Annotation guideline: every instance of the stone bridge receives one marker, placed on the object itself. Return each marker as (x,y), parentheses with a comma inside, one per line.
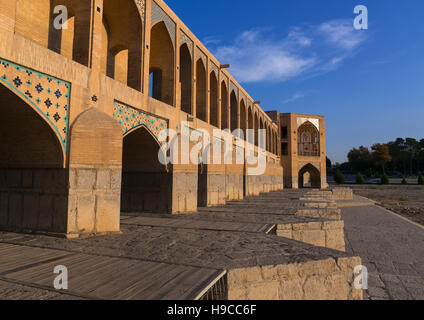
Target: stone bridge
(82,108)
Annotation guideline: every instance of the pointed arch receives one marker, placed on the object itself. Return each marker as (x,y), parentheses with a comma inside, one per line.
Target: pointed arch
(250,126)
(186,78)
(162,63)
(27,138)
(224,106)
(146,183)
(262,134)
(309,175)
(256,129)
(308,140)
(243,118)
(213,99)
(122,45)
(201,107)
(234,111)
(32,86)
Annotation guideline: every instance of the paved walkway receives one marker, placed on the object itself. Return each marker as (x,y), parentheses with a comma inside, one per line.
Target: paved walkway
(391,248)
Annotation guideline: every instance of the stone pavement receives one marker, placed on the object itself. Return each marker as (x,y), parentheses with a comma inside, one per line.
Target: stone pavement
(159,256)
(391,248)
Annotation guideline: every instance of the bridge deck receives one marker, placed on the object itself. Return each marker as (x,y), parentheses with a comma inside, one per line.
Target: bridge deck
(157,256)
(101,277)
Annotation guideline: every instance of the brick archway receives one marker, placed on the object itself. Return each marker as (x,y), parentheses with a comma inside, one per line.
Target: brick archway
(309,176)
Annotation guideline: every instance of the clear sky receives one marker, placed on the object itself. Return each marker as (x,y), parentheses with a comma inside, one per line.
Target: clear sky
(304,56)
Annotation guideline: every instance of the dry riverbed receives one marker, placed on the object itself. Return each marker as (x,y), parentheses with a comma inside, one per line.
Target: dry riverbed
(407,201)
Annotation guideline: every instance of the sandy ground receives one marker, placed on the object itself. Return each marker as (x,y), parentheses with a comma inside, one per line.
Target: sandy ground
(407,201)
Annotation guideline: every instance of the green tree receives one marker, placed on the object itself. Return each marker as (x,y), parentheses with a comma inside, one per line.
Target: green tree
(381,155)
(368,173)
(404,181)
(385,179)
(420,179)
(338,176)
(328,162)
(359,178)
(413,148)
(360,159)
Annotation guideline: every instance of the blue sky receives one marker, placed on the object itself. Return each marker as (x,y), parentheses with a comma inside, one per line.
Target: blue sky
(304,56)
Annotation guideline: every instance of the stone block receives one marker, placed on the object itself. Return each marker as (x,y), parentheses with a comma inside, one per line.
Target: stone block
(86,179)
(85,214)
(107,213)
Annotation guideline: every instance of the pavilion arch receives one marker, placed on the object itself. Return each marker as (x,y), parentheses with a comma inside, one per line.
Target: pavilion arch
(250,125)
(224,106)
(234,112)
(161,65)
(146,183)
(72,42)
(243,119)
(308,140)
(309,176)
(122,42)
(201,107)
(213,99)
(32,168)
(186,76)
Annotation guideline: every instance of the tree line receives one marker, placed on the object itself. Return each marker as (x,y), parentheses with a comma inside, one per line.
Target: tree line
(402,157)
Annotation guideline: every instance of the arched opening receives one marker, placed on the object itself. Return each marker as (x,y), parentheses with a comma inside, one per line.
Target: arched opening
(243,119)
(213,99)
(262,135)
(268,139)
(71,40)
(146,183)
(275,142)
(122,43)
(185,78)
(155,84)
(32,178)
(250,126)
(256,130)
(224,106)
(162,58)
(234,111)
(308,140)
(309,177)
(201,109)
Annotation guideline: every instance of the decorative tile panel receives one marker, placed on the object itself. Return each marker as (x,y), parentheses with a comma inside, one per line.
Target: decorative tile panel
(234,88)
(159,15)
(130,119)
(214,68)
(201,55)
(225,79)
(141,5)
(184,39)
(48,95)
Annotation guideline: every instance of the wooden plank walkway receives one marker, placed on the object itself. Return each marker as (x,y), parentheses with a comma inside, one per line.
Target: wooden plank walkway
(101,277)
